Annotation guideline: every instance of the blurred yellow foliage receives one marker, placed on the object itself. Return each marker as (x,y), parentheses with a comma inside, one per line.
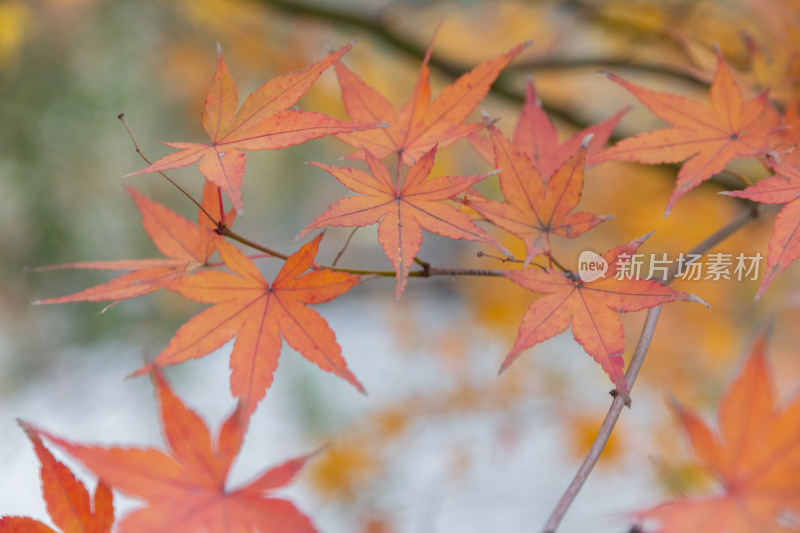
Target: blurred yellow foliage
(581,432)
(344,470)
(15,20)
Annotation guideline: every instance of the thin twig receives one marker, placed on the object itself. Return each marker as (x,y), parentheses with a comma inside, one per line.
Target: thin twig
(748,215)
(346,242)
(427,269)
(121,116)
(376,26)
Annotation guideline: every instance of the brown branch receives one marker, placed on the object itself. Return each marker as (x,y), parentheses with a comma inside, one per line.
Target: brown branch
(375,25)
(604,63)
(748,215)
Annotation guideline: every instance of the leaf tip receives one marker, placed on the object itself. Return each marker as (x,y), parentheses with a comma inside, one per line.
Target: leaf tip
(146,369)
(586,140)
(697,299)
(605,74)
(353,42)
(493,172)
(219,49)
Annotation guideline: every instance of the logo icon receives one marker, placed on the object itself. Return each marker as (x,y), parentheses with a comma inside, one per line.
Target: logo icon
(591,266)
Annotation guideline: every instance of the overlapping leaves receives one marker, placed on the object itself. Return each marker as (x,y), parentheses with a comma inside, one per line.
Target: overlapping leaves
(421,124)
(68,503)
(187,246)
(589,308)
(185,487)
(247,307)
(403,207)
(535,207)
(707,138)
(755,456)
(784,245)
(264,122)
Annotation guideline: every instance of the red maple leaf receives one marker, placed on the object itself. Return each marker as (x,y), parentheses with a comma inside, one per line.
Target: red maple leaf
(420,124)
(535,207)
(755,456)
(536,137)
(403,208)
(257,314)
(784,245)
(68,502)
(589,307)
(187,246)
(185,488)
(709,138)
(264,122)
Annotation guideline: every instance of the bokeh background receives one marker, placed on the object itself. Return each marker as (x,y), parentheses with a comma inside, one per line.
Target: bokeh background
(441,444)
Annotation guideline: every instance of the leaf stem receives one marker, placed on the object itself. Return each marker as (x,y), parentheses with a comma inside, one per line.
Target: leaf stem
(748,215)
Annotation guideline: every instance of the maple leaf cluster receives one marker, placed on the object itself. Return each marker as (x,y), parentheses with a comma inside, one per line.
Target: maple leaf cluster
(541,182)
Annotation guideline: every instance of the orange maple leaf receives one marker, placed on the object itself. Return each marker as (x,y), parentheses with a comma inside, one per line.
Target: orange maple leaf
(709,138)
(535,207)
(784,245)
(262,123)
(257,314)
(187,246)
(68,502)
(403,208)
(755,456)
(536,137)
(421,124)
(184,488)
(589,307)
